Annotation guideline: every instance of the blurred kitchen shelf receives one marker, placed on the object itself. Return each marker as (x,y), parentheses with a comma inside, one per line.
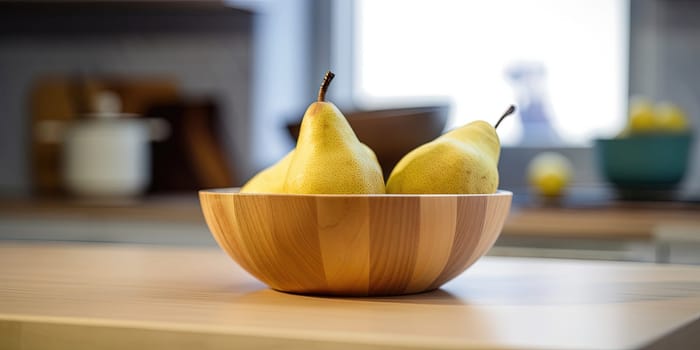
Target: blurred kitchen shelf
(175,208)
(616,231)
(170,220)
(626,221)
(632,231)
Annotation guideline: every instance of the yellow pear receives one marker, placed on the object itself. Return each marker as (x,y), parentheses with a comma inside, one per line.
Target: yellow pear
(370,153)
(271,179)
(329,159)
(462,161)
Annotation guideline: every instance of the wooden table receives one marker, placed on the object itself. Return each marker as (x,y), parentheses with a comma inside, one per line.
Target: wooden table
(80,296)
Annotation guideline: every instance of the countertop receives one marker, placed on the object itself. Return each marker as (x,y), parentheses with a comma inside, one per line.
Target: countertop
(79,296)
(607,221)
(612,220)
(616,221)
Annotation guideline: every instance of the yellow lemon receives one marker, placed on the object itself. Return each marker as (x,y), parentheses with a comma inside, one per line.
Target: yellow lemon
(642,118)
(549,173)
(670,117)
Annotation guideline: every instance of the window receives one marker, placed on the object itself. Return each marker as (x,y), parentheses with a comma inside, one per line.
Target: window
(462,50)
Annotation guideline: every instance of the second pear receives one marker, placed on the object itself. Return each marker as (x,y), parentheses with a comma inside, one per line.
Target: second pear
(462,161)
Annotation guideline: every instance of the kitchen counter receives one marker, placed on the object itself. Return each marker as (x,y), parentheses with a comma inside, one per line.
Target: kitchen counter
(613,221)
(79,296)
(628,231)
(621,221)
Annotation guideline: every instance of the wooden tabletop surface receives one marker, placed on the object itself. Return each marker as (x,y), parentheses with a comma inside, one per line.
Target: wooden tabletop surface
(79,296)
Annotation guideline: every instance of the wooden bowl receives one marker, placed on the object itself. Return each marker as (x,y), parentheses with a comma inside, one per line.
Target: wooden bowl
(354,245)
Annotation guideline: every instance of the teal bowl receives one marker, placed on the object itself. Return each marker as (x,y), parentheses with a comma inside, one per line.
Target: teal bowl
(640,163)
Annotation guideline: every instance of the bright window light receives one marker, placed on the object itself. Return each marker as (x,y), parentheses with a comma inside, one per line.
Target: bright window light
(461,50)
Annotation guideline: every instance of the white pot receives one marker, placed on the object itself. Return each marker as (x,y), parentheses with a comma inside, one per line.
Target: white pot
(107,157)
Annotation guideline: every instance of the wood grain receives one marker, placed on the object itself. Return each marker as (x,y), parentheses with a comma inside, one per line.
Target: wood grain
(95,296)
(394,227)
(354,245)
(437,215)
(465,242)
(343,229)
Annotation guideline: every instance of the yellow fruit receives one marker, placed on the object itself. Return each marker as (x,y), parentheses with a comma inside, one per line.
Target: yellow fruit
(370,153)
(464,160)
(329,159)
(549,173)
(641,117)
(670,118)
(271,179)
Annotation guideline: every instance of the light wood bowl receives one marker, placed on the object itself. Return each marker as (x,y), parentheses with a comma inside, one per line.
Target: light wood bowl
(354,245)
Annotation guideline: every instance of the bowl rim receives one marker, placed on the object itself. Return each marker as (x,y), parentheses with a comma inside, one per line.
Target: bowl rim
(234,191)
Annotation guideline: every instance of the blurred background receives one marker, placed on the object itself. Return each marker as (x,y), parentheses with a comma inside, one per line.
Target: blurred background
(114,113)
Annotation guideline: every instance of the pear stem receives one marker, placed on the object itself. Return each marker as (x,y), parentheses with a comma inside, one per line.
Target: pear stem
(508,112)
(324,86)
